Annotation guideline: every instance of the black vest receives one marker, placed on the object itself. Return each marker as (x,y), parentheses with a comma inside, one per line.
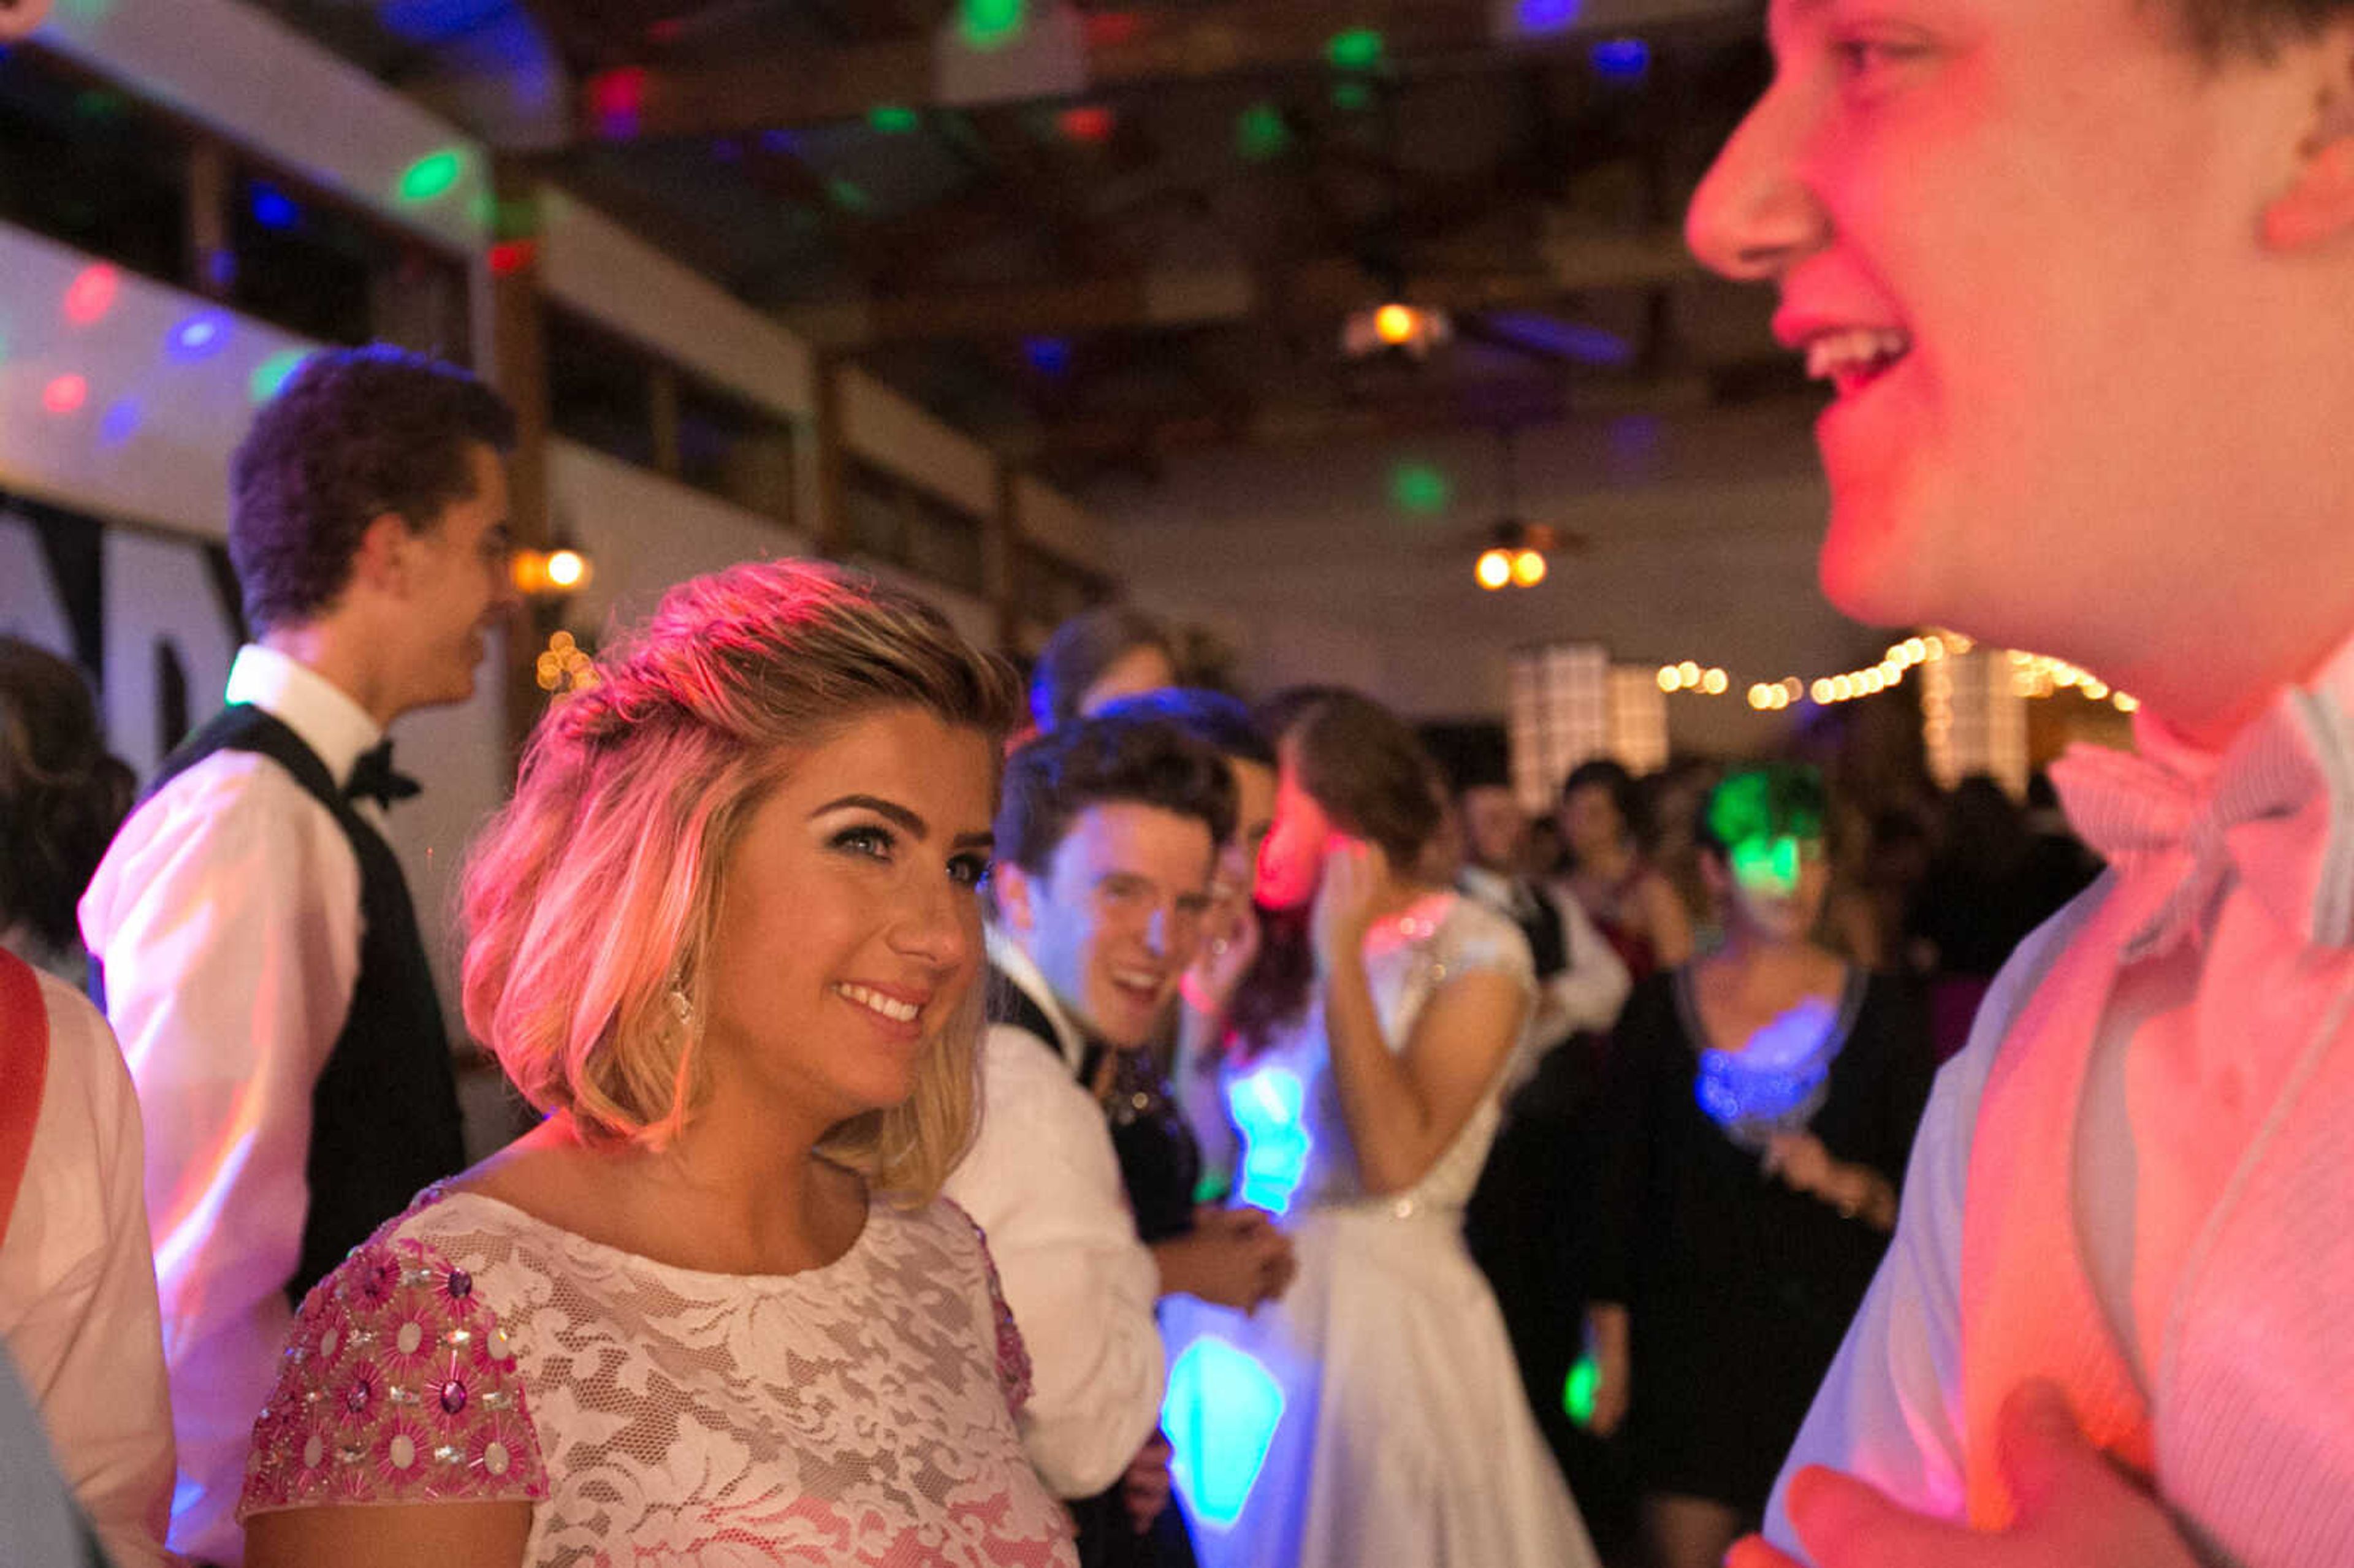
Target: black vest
(1548,937)
(383,1115)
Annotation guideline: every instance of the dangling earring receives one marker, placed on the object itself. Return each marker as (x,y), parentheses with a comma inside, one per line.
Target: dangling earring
(682,1012)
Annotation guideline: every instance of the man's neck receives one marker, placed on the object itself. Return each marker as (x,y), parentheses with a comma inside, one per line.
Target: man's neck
(333,654)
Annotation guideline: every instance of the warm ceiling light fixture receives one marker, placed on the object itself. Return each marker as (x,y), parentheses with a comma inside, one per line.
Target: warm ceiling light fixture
(1396,328)
(542,574)
(1495,568)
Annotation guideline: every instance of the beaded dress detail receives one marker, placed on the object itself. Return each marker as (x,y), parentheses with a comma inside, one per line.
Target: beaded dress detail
(860,1412)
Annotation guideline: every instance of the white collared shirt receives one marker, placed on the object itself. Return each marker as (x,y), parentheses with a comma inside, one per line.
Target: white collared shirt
(2190,1049)
(1586,995)
(227,914)
(1043,1182)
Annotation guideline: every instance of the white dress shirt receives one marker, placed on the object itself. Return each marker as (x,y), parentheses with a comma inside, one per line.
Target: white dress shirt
(227,915)
(1043,1184)
(78,1288)
(1587,994)
(2193,1048)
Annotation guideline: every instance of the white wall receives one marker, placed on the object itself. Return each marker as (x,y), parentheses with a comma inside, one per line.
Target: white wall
(1703,547)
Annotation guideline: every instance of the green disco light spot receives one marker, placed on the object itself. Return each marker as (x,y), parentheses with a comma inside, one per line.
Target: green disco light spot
(892,119)
(992,24)
(432,176)
(1353,96)
(1359,48)
(274,372)
(1577,1392)
(848,197)
(1419,488)
(1260,132)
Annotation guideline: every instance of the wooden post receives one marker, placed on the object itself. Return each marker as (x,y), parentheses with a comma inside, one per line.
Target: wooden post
(511,343)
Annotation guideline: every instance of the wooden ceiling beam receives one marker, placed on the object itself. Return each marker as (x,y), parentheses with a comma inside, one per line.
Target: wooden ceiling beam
(1168,298)
(1065,54)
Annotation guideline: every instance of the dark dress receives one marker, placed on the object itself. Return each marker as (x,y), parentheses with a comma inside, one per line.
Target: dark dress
(1738,1288)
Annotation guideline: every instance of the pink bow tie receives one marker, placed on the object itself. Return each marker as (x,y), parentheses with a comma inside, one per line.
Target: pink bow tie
(2267,813)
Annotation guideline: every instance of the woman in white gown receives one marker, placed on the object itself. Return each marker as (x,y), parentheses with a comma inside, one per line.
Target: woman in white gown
(1373,1416)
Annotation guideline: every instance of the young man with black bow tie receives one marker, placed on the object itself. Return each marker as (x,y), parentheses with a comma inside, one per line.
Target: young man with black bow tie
(251,932)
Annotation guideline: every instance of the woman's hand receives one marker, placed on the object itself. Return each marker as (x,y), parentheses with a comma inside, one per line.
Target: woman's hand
(1145,1487)
(1355,873)
(1232,1258)
(1805,1166)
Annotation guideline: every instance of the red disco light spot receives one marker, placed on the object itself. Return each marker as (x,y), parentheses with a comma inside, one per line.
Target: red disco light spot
(1110,30)
(615,98)
(509,256)
(91,293)
(65,395)
(1088,123)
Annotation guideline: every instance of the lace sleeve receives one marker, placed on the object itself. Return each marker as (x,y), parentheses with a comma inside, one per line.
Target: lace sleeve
(397,1386)
(1476,938)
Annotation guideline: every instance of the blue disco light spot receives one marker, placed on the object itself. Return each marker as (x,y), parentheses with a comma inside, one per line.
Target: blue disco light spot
(120,423)
(1220,1413)
(1048,356)
(198,337)
(1548,15)
(1267,1106)
(1623,59)
(273,209)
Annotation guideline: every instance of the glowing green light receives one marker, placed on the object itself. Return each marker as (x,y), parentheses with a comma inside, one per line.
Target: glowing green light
(1766,864)
(991,24)
(1359,48)
(1352,96)
(892,119)
(1419,488)
(1577,1392)
(98,103)
(432,175)
(274,372)
(1260,132)
(849,197)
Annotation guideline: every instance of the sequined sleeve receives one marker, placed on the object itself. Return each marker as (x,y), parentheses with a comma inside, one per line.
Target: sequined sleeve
(1012,1355)
(397,1386)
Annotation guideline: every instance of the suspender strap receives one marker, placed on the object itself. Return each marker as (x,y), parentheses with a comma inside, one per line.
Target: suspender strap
(24,1070)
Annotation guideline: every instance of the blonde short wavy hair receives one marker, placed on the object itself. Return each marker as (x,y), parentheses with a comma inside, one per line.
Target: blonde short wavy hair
(593,894)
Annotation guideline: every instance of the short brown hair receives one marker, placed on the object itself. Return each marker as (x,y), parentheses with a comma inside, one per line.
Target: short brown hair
(633,795)
(354,434)
(2221,29)
(1135,760)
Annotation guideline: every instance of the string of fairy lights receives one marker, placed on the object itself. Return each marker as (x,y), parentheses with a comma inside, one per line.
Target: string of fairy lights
(2033,676)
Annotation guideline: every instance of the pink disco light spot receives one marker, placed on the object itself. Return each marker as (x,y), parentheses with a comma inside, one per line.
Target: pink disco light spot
(91,293)
(65,395)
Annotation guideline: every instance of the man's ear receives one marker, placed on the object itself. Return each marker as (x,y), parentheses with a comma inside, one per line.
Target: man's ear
(381,562)
(2319,205)
(1010,884)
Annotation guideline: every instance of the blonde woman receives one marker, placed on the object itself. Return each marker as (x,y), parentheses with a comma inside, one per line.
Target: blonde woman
(710,1310)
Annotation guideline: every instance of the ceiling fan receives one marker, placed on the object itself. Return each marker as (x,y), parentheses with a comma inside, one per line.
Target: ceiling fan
(1508,549)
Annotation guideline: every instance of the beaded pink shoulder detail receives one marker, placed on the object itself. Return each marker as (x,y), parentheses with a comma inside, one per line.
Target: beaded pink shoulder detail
(397,1386)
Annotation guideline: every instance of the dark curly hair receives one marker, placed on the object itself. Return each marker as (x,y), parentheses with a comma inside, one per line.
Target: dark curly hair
(1107,760)
(2222,30)
(61,795)
(356,433)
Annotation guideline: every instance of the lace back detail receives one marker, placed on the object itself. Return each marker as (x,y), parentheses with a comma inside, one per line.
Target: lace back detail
(398,1386)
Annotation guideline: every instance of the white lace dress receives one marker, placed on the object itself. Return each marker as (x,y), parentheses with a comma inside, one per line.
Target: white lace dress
(862,1412)
(1374,1417)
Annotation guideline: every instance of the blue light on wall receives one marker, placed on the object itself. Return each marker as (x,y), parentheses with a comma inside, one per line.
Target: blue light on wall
(1220,1413)
(1267,1109)
(119,422)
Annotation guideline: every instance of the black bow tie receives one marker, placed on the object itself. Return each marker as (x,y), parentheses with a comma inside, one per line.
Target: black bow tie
(373,778)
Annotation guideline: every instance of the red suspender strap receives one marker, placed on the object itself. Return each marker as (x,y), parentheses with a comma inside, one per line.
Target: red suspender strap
(23,1069)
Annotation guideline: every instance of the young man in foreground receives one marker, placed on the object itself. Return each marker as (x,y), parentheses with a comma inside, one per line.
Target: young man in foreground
(2080,272)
